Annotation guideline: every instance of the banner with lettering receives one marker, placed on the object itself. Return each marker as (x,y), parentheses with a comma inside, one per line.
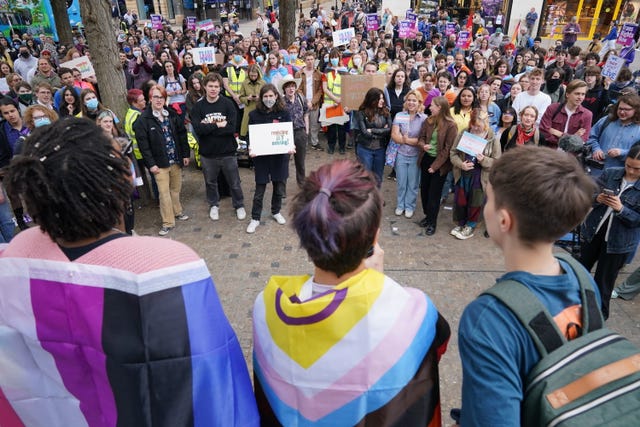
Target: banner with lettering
(411,16)
(625,38)
(450,28)
(206,25)
(464,40)
(191,23)
(342,37)
(83,64)
(156,22)
(373,22)
(204,55)
(612,67)
(407,29)
(271,138)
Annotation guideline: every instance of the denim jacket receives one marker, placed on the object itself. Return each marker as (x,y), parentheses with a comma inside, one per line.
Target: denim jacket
(625,228)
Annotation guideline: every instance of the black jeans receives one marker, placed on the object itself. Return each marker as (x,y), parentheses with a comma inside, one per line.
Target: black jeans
(300,141)
(211,168)
(430,190)
(336,132)
(608,265)
(276,199)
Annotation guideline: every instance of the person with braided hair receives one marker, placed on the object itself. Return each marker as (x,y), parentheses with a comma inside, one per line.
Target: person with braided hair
(348,345)
(98,325)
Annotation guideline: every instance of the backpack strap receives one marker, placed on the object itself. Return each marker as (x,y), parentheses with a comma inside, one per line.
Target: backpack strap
(535,317)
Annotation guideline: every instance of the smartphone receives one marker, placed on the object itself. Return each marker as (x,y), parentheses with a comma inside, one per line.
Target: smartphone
(608,192)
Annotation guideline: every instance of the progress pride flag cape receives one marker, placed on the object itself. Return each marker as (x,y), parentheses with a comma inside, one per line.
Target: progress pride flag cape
(365,353)
(143,343)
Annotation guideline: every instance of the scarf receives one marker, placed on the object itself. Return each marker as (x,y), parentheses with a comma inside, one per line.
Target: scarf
(524,135)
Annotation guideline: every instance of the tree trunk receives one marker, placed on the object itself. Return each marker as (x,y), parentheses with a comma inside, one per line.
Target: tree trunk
(100,30)
(61,18)
(287,24)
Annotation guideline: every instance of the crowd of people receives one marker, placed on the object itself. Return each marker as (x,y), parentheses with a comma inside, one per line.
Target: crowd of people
(489,124)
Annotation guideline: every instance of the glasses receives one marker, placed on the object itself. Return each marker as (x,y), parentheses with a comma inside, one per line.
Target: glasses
(625,109)
(157,97)
(38,117)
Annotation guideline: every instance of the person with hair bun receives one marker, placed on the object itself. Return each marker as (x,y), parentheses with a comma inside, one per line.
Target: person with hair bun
(99,325)
(348,345)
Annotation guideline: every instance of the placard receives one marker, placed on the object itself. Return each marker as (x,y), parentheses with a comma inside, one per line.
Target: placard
(271,138)
(373,22)
(342,37)
(83,64)
(450,28)
(204,55)
(156,22)
(464,40)
(407,30)
(612,67)
(626,35)
(355,87)
(411,16)
(471,144)
(206,25)
(191,23)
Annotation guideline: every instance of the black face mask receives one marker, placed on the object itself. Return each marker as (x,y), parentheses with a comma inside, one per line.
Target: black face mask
(24,54)
(553,85)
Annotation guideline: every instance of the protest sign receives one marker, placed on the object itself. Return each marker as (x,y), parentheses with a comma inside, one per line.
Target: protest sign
(191,23)
(355,86)
(271,138)
(342,37)
(612,67)
(626,34)
(156,22)
(83,64)
(411,16)
(407,30)
(471,144)
(373,22)
(450,28)
(204,55)
(206,25)
(464,40)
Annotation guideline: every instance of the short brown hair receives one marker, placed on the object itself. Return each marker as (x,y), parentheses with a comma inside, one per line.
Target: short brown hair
(537,183)
(575,84)
(212,77)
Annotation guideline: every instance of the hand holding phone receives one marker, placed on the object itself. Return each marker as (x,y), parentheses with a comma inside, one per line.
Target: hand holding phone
(608,192)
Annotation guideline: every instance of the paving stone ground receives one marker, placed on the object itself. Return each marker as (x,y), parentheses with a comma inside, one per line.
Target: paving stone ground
(450,271)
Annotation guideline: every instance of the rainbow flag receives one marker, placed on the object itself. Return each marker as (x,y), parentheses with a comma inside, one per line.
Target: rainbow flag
(364,353)
(514,38)
(130,334)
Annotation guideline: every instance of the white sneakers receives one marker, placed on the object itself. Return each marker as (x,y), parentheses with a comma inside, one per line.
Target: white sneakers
(213,213)
(408,214)
(241,213)
(279,219)
(399,211)
(251,228)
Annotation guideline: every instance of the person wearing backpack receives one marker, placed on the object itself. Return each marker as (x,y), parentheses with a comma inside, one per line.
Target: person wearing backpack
(527,186)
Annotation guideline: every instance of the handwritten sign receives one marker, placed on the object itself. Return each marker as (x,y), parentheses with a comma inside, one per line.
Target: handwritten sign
(450,28)
(407,29)
(206,25)
(191,23)
(271,138)
(471,144)
(373,22)
(342,37)
(411,16)
(355,87)
(626,34)
(612,67)
(464,40)
(156,22)
(83,64)
(204,55)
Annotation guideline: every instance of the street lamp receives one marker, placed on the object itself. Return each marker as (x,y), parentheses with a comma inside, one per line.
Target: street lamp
(159,8)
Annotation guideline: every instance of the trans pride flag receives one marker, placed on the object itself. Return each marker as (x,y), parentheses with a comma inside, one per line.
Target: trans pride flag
(142,342)
(365,353)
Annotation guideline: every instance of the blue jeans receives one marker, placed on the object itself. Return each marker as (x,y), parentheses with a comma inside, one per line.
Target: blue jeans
(7,226)
(408,179)
(373,160)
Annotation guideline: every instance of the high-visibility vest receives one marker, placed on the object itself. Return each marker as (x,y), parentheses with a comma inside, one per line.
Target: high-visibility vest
(235,80)
(129,119)
(334,86)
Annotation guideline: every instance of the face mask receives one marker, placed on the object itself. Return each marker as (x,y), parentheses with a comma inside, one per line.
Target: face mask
(137,53)
(528,68)
(237,58)
(259,59)
(269,102)
(24,54)
(334,62)
(326,59)
(293,56)
(92,104)
(41,121)
(357,62)
(553,84)
(25,97)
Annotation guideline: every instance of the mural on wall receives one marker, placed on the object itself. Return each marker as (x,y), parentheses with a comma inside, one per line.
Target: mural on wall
(33,16)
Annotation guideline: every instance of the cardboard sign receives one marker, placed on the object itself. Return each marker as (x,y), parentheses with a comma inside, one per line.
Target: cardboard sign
(464,40)
(204,55)
(450,28)
(373,22)
(342,37)
(156,22)
(354,87)
(271,138)
(471,144)
(612,67)
(626,35)
(206,25)
(407,30)
(83,64)
(191,23)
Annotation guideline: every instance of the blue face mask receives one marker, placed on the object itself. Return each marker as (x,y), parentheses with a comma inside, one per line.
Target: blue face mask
(92,104)
(528,68)
(334,62)
(293,57)
(41,121)
(259,59)
(237,58)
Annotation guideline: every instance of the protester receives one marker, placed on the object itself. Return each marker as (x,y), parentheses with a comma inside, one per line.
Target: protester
(374,128)
(567,118)
(296,105)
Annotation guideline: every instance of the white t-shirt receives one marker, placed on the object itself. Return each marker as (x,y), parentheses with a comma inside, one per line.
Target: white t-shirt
(541,101)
